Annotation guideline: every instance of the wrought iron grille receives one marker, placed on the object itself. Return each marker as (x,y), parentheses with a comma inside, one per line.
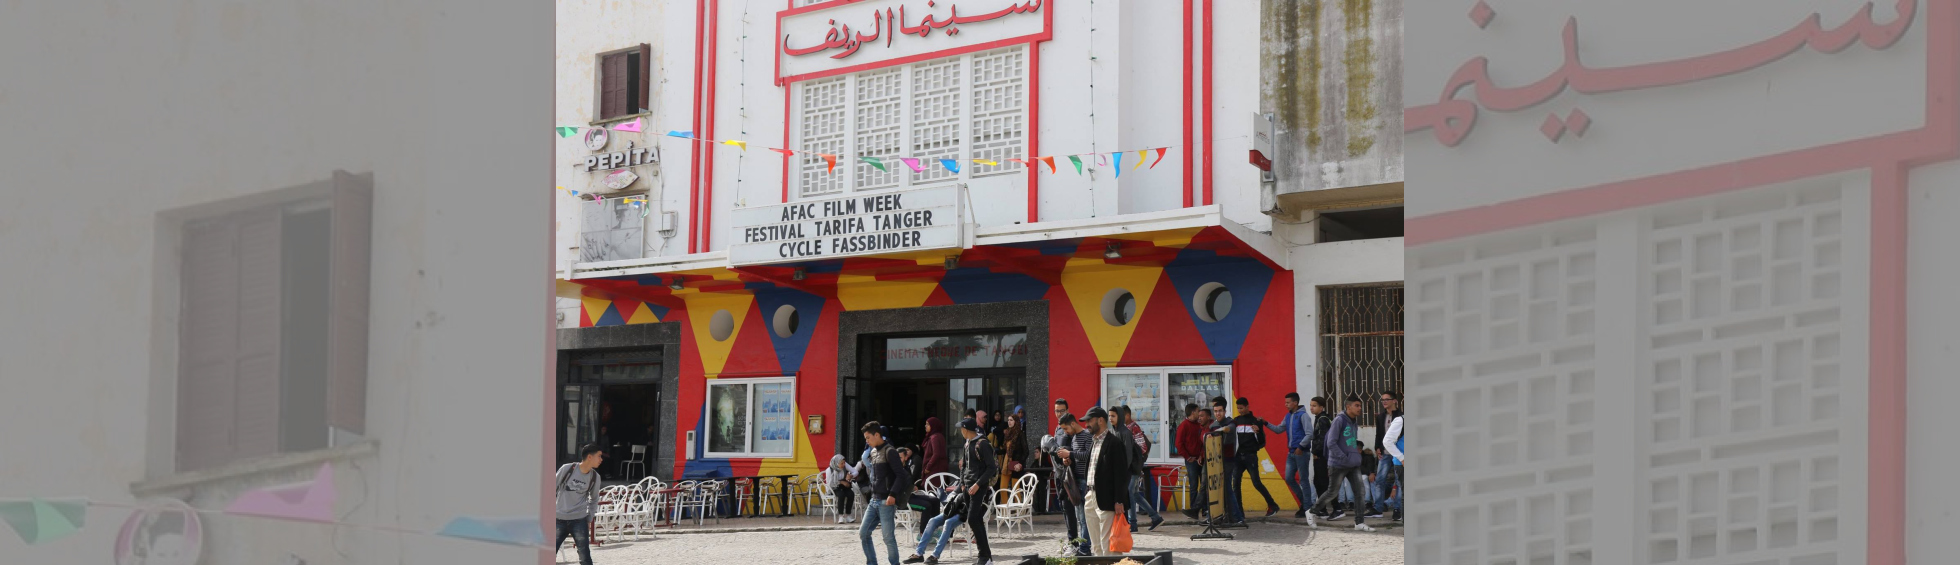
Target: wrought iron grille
(1360,345)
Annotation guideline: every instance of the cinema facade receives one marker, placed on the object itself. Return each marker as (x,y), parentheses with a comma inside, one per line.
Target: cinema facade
(741,308)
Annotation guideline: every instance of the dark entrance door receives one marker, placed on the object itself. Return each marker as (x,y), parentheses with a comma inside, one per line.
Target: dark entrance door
(913,377)
(616,404)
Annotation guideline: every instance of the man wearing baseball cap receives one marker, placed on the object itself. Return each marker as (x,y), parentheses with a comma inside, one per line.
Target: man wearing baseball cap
(1109,480)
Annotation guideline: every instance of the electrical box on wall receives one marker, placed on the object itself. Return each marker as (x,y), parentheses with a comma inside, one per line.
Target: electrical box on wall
(690,445)
(669,222)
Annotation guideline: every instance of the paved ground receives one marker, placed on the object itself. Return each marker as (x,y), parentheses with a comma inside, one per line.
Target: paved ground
(797,540)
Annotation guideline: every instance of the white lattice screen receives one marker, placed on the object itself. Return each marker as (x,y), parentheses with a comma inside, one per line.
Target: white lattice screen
(963,108)
(1679,384)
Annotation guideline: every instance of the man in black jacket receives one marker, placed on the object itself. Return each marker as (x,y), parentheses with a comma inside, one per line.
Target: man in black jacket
(891,484)
(1109,480)
(1251,438)
(1071,466)
(1321,422)
(978,479)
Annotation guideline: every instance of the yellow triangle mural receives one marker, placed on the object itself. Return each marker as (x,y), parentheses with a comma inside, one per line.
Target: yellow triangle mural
(1087,282)
(594,307)
(860,292)
(645,315)
(805,461)
(701,309)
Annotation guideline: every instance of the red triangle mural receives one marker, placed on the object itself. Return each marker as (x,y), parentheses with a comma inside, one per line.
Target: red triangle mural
(939,297)
(1165,332)
(1072,367)
(627,308)
(1269,351)
(753,354)
(816,386)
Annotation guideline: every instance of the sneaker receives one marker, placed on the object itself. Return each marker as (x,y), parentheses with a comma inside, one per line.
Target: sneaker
(934,560)
(1398,516)
(1271,510)
(1154,521)
(1373,514)
(1300,514)
(915,558)
(1363,528)
(1336,515)
(1311,524)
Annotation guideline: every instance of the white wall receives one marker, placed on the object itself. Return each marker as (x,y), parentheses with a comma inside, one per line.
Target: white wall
(1329,264)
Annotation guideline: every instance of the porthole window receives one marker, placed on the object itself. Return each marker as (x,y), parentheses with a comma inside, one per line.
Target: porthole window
(1212,302)
(786,321)
(721,326)
(1119,307)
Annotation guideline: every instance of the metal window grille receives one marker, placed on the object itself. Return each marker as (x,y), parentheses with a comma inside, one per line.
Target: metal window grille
(961,108)
(1361,345)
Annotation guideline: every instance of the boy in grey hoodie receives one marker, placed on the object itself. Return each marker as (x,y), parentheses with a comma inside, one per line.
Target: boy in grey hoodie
(578,493)
(1344,463)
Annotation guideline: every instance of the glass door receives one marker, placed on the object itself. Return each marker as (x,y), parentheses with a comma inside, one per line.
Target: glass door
(578,409)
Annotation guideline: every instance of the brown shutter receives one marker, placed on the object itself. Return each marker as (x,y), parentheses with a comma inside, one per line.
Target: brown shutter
(612,86)
(261,294)
(347,302)
(643,100)
(208,330)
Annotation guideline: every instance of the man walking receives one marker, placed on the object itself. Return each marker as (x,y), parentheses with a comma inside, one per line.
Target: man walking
(1141,476)
(1071,470)
(1391,409)
(1251,433)
(1344,461)
(1322,422)
(1191,446)
(1109,480)
(578,494)
(891,485)
(1392,454)
(1296,429)
(976,479)
(1228,439)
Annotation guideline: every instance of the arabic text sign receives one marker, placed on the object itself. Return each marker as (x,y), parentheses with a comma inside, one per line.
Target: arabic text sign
(860,35)
(865,224)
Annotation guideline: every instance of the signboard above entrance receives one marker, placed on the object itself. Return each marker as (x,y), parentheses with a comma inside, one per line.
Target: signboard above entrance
(864,224)
(833,38)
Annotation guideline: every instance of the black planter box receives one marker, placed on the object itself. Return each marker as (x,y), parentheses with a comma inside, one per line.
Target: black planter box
(1160,558)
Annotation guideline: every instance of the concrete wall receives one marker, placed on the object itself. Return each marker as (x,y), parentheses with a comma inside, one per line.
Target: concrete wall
(1332,77)
(1331,264)
(199,102)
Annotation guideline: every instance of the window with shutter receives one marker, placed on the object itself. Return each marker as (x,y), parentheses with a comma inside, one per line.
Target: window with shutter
(961,108)
(272,329)
(622,82)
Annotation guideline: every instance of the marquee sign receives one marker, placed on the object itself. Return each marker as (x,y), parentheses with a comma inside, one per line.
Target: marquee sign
(846,36)
(885,222)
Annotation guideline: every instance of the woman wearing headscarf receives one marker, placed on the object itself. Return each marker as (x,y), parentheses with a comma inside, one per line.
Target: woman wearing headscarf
(934,458)
(840,478)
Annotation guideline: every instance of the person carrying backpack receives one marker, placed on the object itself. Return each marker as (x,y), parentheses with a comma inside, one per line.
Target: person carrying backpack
(578,495)
(1139,470)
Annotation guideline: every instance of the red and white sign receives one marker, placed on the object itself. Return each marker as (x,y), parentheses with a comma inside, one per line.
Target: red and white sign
(846,36)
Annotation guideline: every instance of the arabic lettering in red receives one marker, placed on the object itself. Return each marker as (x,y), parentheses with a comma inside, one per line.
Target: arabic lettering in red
(888,24)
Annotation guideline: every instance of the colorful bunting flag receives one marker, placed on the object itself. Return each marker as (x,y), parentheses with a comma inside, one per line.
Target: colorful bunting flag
(951,165)
(830,162)
(311,501)
(785,152)
(738,143)
(567,131)
(913,163)
(39,521)
(1160,156)
(1101,161)
(875,163)
(1078,163)
(1141,154)
(1118,157)
(987,163)
(1051,164)
(632,126)
(526,532)
(681,134)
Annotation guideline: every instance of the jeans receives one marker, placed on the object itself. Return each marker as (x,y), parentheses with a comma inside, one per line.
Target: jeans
(1297,479)
(1353,477)
(945,535)
(1388,488)
(1077,527)
(1249,464)
(877,514)
(1234,503)
(1139,499)
(581,534)
(1196,497)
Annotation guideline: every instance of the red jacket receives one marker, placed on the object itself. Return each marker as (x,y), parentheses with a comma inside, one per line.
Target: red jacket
(1190,440)
(934,458)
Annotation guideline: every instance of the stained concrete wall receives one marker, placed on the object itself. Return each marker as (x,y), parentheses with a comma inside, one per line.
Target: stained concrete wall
(1332,77)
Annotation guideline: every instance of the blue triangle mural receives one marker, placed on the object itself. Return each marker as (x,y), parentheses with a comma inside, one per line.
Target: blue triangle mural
(1246,278)
(702,467)
(974,285)
(809,307)
(610,318)
(658,310)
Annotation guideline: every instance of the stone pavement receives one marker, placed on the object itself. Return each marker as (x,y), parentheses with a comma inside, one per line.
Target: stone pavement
(804,540)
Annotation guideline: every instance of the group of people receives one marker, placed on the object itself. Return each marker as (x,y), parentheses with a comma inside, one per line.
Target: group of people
(882,482)
(1098,459)
(1325,460)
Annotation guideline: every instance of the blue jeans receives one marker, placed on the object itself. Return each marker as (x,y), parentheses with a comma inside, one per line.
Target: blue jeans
(1298,464)
(1379,492)
(946,535)
(1234,504)
(1139,498)
(877,514)
(581,535)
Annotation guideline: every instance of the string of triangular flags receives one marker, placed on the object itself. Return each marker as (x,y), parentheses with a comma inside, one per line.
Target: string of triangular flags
(917,164)
(41,520)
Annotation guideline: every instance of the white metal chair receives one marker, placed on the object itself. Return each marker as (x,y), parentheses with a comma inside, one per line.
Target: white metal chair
(612,509)
(637,460)
(769,494)
(1015,506)
(1175,491)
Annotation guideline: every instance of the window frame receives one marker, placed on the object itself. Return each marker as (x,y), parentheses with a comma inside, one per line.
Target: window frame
(849,151)
(1167,432)
(749,434)
(643,87)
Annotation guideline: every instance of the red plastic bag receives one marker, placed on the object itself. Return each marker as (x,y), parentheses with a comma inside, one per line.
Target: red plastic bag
(1119,536)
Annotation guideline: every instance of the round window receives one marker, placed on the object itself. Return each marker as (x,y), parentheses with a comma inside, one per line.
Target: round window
(786,321)
(721,325)
(1119,307)
(1212,302)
